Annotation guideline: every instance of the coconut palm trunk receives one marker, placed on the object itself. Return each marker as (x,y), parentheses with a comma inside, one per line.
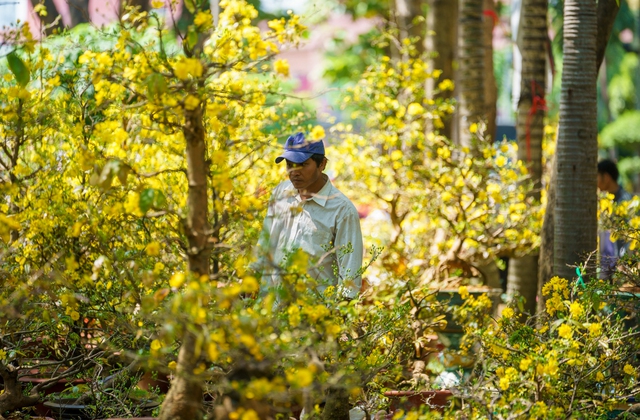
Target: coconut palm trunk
(575,233)
(522,278)
(607,11)
(471,75)
(440,42)
(489,83)
(410,26)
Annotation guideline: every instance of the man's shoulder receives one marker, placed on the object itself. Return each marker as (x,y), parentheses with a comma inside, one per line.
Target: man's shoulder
(624,196)
(339,199)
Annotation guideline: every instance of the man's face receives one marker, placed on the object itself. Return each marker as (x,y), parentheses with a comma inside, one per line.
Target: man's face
(604,182)
(304,175)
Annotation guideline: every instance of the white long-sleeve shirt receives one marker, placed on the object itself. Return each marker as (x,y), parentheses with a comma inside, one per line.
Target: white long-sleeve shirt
(323,227)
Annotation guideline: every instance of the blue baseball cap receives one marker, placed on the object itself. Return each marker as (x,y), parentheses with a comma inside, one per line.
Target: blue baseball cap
(297,149)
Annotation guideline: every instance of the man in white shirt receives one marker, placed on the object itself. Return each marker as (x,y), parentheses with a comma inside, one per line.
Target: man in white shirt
(308,213)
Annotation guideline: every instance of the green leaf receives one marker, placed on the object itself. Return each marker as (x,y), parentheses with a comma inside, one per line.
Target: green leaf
(156,85)
(18,68)
(190,5)
(192,39)
(152,199)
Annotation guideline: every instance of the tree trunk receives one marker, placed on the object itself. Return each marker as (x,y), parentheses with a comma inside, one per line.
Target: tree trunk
(184,399)
(522,280)
(471,75)
(440,42)
(575,233)
(79,12)
(532,37)
(531,105)
(490,87)
(545,261)
(411,28)
(337,405)
(607,12)
(546,270)
(13,398)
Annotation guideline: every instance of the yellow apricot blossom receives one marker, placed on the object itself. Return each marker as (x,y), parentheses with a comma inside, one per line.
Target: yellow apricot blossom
(281,66)
(188,67)
(565,331)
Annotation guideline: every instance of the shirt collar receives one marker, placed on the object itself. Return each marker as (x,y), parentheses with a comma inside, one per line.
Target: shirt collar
(321,197)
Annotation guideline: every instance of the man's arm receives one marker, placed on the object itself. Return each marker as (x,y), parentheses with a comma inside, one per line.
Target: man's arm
(349,238)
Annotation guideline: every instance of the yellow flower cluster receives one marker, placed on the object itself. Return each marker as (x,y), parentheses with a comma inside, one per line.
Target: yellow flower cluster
(557,289)
(186,68)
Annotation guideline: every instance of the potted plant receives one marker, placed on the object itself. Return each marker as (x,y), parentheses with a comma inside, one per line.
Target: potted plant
(575,359)
(80,403)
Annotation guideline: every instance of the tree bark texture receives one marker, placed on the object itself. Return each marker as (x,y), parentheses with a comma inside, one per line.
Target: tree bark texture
(337,405)
(490,87)
(471,74)
(523,273)
(522,280)
(13,397)
(440,43)
(546,270)
(531,105)
(184,399)
(546,259)
(575,233)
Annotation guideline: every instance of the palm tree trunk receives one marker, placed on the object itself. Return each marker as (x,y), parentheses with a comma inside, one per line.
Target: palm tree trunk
(545,261)
(605,23)
(440,42)
(523,273)
(471,75)
(490,87)
(522,279)
(411,28)
(531,105)
(575,233)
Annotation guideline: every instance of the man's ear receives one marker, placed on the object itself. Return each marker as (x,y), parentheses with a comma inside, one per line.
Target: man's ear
(323,165)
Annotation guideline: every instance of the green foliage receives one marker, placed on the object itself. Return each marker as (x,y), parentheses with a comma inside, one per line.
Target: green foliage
(347,62)
(622,88)
(469,201)
(18,68)
(577,359)
(622,133)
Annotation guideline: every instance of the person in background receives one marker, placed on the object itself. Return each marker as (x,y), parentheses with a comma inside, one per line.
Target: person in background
(308,213)
(610,251)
